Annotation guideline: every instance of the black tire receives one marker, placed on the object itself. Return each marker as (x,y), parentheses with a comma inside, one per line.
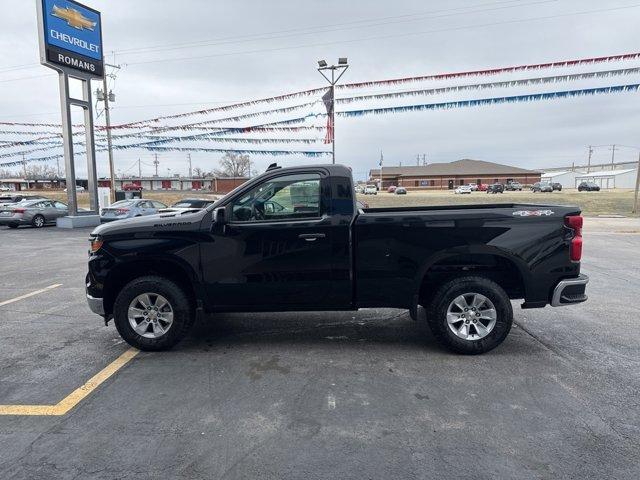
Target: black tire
(183,312)
(38,221)
(437,314)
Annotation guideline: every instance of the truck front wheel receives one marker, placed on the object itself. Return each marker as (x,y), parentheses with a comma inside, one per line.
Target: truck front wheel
(470,315)
(152,313)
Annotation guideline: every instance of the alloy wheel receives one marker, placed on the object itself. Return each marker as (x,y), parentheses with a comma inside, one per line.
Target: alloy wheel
(150,315)
(471,316)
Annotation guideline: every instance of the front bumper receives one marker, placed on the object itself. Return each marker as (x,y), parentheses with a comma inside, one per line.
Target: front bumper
(96,305)
(570,291)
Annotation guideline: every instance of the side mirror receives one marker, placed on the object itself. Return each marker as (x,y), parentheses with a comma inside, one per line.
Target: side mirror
(220,216)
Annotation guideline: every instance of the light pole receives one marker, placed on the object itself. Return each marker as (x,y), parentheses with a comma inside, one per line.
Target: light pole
(330,101)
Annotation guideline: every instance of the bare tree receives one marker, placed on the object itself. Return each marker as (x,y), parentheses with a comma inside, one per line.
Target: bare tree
(5,173)
(39,171)
(198,173)
(234,165)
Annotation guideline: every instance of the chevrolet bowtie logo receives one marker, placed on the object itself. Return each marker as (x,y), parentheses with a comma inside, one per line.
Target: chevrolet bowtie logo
(73,18)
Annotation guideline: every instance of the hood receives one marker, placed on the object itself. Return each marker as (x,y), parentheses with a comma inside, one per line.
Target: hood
(173,221)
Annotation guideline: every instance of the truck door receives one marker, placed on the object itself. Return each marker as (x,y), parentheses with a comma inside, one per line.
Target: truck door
(275,249)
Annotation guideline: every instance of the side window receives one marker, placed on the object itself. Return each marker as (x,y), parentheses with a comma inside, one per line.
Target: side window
(60,206)
(281,198)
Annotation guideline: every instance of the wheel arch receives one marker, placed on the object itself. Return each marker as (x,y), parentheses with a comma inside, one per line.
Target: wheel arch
(508,271)
(166,267)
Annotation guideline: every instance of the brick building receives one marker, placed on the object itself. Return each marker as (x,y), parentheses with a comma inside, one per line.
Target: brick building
(442,176)
(212,184)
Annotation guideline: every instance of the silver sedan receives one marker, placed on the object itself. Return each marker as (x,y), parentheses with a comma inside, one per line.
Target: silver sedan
(129,209)
(32,212)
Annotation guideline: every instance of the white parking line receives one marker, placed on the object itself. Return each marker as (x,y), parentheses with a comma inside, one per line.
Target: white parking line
(27,295)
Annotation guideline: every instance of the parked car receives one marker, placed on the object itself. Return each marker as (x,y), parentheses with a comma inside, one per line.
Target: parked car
(541,187)
(513,186)
(153,275)
(4,188)
(187,205)
(359,189)
(370,190)
(462,189)
(79,188)
(391,189)
(482,187)
(400,191)
(137,207)
(37,213)
(495,188)
(128,187)
(588,187)
(556,186)
(17,197)
(473,187)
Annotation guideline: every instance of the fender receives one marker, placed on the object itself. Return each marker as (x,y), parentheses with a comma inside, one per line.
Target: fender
(520,264)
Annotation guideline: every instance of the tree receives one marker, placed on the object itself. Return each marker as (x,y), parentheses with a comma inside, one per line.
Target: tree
(36,171)
(198,173)
(234,165)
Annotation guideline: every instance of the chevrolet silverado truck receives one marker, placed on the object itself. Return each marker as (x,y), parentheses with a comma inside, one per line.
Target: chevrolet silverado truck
(294,239)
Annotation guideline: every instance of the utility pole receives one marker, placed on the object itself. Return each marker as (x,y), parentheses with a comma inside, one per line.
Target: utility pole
(190,171)
(139,169)
(58,166)
(613,155)
(381,162)
(331,108)
(589,160)
(635,198)
(108,96)
(156,162)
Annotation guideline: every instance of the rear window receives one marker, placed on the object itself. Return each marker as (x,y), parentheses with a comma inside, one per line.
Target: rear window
(122,203)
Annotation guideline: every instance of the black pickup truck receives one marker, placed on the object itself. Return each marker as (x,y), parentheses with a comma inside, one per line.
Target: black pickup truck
(294,239)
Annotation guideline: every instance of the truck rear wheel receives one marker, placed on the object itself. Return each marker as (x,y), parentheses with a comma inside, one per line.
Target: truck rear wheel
(152,313)
(470,315)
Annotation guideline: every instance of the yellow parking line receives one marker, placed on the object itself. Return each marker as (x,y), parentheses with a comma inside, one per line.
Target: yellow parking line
(75,397)
(27,295)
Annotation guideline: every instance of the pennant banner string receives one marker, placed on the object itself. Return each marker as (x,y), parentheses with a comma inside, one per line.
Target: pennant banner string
(493,71)
(490,101)
(504,84)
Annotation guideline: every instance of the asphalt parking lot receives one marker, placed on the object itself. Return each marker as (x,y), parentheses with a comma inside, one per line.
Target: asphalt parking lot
(357,395)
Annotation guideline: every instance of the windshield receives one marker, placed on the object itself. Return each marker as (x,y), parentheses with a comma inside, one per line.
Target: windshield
(123,203)
(192,203)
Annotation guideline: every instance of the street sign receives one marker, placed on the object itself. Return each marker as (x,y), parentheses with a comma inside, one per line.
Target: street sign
(70,37)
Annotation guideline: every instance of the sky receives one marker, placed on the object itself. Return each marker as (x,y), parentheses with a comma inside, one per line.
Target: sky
(183,56)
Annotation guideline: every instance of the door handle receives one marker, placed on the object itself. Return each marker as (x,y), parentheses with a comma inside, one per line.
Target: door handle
(311,237)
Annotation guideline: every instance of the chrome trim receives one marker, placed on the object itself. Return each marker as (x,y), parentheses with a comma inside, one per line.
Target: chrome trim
(95,304)
(562,284)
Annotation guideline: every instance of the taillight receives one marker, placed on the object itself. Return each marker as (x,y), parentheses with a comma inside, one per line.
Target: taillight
(18,210)
(575,222)
(122,211)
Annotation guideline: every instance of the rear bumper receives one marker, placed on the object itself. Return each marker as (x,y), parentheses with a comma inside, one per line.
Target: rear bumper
(570,291)
(14,221)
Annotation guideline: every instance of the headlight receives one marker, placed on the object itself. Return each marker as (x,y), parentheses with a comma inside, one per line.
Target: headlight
(96,244)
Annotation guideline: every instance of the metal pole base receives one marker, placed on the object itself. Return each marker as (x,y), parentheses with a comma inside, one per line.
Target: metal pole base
(79,221)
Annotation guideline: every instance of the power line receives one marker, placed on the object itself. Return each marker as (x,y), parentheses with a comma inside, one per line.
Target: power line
(366,39)
(304,30)
(326,28)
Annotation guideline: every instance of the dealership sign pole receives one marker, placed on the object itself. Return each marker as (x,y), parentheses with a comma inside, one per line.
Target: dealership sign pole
(70,37)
